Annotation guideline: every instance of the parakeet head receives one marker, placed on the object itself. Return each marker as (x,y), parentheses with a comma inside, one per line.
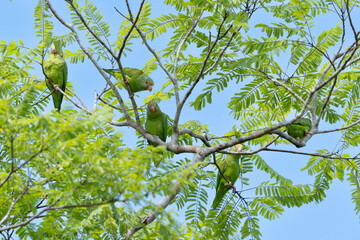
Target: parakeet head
(142,81)
(152,109)
(146,84)
(237,148)
(56,49)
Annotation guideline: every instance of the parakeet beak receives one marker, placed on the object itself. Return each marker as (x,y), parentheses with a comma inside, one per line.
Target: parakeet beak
(153,109)
(239,148)
(149,88)
(53,50)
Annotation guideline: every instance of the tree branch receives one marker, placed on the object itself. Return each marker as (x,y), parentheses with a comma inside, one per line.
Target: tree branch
(340,129)
(43,98)
(82,103)
(310,154)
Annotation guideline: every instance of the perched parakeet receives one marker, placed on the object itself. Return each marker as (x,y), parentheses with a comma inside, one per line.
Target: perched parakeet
(230,167)
(138,80)
(55,68)
(299,129)
(156,122)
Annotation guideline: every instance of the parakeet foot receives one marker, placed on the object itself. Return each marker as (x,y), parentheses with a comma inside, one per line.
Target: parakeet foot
(56,86)
(309,133)
(231,186)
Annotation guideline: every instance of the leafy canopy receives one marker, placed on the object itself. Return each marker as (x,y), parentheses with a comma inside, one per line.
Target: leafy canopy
(73,175)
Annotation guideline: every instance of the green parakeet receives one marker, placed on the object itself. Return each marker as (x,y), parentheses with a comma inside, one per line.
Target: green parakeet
(156,123)
(299,129)
(55,68)
(230,167)
(138,80)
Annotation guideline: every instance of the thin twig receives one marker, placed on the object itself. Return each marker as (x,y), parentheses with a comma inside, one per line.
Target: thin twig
(43,98)
(109,104)
(309,154)
(82,103)
(339,129)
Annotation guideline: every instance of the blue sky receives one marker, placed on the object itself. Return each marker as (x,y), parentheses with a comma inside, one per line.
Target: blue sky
(334,218)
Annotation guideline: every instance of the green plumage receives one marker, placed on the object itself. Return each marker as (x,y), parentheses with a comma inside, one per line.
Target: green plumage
(299,128)
(55,68)
(156,124)
(230,167)
(138,80)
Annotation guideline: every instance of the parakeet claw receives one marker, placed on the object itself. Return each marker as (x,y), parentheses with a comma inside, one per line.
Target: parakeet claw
(56,86)
(231,186)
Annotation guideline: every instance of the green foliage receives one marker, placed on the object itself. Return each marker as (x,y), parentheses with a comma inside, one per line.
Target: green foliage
(74,171)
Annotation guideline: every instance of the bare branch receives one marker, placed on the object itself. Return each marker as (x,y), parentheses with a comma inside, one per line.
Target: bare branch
(310,154)
(260,149)
(82,103)
(109,104)
(351,23)
(69,98)
(43,98)
(119,124)
(339,129)
(195,135)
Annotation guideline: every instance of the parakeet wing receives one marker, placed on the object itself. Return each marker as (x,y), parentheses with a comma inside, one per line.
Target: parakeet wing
(223,166)
(65,73)
(221,188)
(164,127)
(133,72)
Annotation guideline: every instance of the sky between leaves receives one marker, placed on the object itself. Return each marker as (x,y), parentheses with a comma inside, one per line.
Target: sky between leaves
(334,218)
